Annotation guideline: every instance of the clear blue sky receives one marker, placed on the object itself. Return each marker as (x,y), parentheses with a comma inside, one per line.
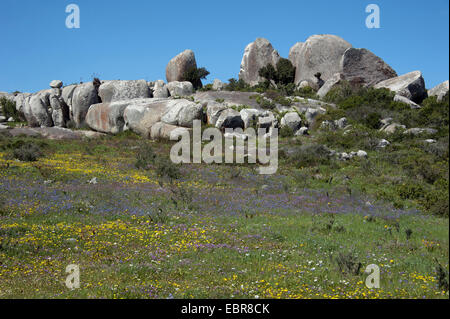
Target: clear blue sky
(135,39)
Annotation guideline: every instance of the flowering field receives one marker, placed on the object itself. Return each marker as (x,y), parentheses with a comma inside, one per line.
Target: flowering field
(215,231)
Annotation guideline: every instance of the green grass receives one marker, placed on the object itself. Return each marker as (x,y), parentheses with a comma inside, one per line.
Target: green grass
(183,244)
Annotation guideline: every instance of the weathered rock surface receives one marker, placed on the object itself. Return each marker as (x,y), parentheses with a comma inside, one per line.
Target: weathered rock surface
(365,68)
(60,111)
(294,53)
(229,98)
(180,88)
(218,85)
(56,84)
(213,110)
(141,114)
(20,102)
(419,131)
(163,130)
(111,91)
(319,54)
(55,133)
(160,90)
(392,128)
(180,64)
(107,117)
(182,112)
(292,120)
(37,109)
(410,85)
(399,98)
(329,84)
(67,95)
(230,118)
(83,97)
(440,90)
(257,55)
(250,116)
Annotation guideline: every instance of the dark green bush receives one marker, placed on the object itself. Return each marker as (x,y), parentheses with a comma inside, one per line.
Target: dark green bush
(285,72)
(9,108)
(195,76)
(286,131)
(310,155)
(28,152)
(145,157)
(372,120)
(166,169)
(237,85)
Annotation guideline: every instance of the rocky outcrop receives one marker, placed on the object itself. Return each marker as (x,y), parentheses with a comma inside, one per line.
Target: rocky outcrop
(410,85)
(250,117)
(107,117)
(218,85)
(179,65)
(37,109)
(230,118)
(160,89)
(111,91)
(291,120)
(180,88)
(294,53)
(399,98)
(329,84)
(140,115)
(257,55)
(213,110)
(392,128)
(84,96)
(56,84)
(319,54)
(182,113)
(164,131)
(440,90)
(67,95)
(60,111)
(360,66)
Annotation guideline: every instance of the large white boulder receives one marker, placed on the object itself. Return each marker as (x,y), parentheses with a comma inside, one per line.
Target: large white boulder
(256,56)
(84,96)
(182,112)
(410,85)
(440,91)
(319,54)
(179,65)
(365,68)
(112,91)
(180,88)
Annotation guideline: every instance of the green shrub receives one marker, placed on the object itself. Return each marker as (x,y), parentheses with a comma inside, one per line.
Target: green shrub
(166,169)
(285,72)
(145,157)
(195,76)
(237,85)
(9,108)
(286,131)
(28,152)
(310,155)
(372,120)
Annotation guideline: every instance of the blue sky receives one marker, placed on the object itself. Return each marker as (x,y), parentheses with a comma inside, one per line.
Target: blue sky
(135,39)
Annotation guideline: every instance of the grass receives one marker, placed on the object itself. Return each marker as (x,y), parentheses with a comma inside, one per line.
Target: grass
(213,231)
